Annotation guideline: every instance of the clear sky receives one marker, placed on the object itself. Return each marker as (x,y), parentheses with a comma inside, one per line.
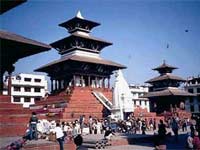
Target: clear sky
(143,32)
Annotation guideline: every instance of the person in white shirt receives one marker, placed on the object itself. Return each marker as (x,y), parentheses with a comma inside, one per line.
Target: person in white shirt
(59,135)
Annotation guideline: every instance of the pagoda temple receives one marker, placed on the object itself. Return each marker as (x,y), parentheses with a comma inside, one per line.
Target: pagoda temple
(164,94)
(80,69)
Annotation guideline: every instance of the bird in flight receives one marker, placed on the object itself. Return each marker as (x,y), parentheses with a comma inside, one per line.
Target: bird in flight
(167,45)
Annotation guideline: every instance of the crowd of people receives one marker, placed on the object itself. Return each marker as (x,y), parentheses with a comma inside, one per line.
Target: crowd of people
(74,130)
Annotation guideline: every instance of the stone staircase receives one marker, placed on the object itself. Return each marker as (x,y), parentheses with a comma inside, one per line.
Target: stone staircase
(80,101)
(83,102)
(14,118)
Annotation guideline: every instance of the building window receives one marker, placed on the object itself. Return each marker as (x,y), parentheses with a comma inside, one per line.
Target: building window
(37,89)
(37,98)
(134,102)
(27,99)
(198,90)
(27,89)
(140,102)
(37,80)
(17,88)
(192,108)
(145,102)
(16,99)
(27,79)
(190,90)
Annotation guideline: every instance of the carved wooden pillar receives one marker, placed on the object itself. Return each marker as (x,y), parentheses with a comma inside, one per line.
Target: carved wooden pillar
(96,82)
(10,70)
(56,86)
(59,84)
(9,84)
(103,82)
(108,82)
(82,82)
(89,82)
(74,79)
(51,85)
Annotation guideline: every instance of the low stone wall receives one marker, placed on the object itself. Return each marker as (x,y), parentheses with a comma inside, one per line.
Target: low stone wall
(49,146)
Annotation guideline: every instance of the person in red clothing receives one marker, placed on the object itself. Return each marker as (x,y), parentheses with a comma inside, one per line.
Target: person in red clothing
(196,141)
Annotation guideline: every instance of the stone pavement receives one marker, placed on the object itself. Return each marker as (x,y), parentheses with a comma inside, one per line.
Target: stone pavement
(137,144)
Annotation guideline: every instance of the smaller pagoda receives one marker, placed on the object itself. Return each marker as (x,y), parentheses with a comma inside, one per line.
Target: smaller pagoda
(164,94)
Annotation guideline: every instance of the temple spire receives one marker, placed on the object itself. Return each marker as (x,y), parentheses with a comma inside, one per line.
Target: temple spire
(164,61)
(78,15)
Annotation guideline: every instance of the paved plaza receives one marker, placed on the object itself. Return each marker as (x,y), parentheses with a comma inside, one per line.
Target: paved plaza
(140,142)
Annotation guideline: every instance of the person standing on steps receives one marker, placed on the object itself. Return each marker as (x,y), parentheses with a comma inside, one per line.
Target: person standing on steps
(59,135)
(33,126)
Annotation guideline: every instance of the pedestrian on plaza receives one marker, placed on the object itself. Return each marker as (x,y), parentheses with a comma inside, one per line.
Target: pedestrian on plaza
(196,141)
(81,121)
(184,125)
(174,126)
(192,128)
(33,126)
(154,124)
(90,124)
(78,140)
(189,141)
(108,135)
(160,142)
(95,127)
(59,135)
(143,127)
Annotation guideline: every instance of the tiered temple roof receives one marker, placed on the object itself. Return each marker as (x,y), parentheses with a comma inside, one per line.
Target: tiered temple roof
(80,60)
(165,94)
(170,91)
(165,77)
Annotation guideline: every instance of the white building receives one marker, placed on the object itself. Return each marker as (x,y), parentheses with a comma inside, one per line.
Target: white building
(193,86)
(137,92)
(27,88)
